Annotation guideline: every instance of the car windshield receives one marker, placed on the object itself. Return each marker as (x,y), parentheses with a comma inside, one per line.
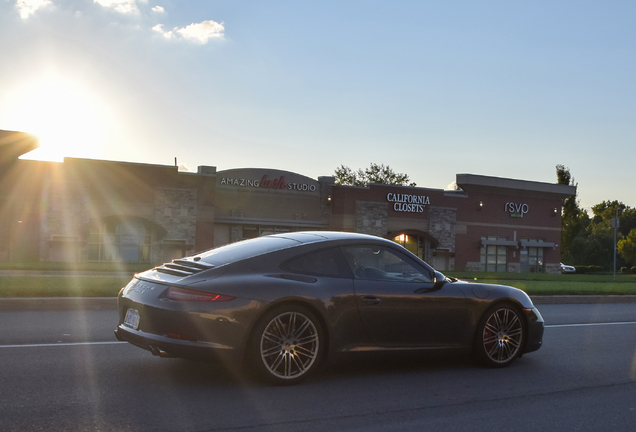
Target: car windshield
(245,249)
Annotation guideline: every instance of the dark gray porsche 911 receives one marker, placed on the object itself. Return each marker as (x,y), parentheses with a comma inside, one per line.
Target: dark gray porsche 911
(284,303)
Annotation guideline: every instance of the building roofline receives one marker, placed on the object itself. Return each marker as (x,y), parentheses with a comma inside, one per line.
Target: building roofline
(72,160)
(14,144)
(369,185)
(470,182)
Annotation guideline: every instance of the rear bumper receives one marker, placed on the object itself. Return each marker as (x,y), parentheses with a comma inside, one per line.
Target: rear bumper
(168,347)
(193,330)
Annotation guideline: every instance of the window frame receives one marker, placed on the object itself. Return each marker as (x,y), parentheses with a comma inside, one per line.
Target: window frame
(500,256)
(423,268)
(108,240)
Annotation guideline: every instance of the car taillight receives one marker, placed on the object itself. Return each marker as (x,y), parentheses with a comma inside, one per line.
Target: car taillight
(183,294)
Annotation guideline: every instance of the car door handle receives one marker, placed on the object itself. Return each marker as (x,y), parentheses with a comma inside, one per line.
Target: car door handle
(370,300)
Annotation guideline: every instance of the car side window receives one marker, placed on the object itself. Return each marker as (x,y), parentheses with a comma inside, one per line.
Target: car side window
(371,262)
(325,262)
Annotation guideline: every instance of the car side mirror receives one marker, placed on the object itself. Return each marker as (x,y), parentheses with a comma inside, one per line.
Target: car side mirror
(439,280)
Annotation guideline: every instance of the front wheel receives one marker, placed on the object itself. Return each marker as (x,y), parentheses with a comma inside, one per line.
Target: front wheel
(500,336)
(287,345)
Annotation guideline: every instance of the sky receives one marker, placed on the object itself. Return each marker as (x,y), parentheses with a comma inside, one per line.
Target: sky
(430,88)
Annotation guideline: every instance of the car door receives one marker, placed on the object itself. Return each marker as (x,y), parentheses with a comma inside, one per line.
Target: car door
(399,303)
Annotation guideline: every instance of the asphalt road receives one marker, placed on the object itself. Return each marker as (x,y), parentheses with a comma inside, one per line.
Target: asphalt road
(63,370)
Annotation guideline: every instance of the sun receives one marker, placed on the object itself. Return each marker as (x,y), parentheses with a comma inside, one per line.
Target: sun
(65,115)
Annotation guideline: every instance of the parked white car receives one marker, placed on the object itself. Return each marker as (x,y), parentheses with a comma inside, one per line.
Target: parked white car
(567,269)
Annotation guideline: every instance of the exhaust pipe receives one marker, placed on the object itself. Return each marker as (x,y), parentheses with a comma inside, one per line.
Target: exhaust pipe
(156,351)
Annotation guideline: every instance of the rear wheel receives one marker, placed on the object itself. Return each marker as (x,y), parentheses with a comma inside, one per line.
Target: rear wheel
(287,345)
(500,336)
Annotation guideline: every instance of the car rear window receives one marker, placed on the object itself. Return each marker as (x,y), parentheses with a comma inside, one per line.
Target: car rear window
(234,252)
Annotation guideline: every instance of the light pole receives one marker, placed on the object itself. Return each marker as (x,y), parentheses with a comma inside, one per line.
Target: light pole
(615,226)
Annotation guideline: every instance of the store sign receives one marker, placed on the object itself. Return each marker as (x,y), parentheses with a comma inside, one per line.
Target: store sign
(516,210)
(408,203)
(268,183)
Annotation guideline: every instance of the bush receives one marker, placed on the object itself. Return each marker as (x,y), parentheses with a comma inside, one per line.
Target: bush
(589,269)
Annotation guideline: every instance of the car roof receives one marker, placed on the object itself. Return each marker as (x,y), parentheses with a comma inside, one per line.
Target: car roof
(234,252)
(317,236)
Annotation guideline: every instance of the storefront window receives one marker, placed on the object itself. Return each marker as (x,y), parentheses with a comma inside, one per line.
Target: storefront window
(122,241)
(535,259)
(492,257)
(413,243)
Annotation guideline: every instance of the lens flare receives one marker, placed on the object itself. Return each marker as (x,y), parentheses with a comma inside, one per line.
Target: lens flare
(67,117)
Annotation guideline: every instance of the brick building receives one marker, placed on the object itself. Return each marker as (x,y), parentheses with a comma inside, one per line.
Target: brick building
(491,224)
(103,211)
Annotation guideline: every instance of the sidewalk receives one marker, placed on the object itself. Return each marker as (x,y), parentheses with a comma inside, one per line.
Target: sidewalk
(110,303)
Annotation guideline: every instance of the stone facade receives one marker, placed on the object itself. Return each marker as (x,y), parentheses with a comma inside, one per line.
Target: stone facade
(442,226)
(176,212)
(472,266)
(553,268)
(236,233)
(372,218)
(513,267)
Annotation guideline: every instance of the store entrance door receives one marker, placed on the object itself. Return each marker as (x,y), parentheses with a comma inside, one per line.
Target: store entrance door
(441,261)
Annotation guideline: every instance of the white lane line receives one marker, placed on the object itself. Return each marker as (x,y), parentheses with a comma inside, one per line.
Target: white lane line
(591,324)
(61,344)
(118,342)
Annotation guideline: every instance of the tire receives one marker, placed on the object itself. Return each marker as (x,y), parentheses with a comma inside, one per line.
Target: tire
(287,345)
(500,336)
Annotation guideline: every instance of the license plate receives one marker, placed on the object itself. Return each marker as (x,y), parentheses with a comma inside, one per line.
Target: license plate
(132,318)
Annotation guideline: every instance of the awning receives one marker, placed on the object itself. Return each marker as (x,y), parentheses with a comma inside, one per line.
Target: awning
(536,243)
(500,242)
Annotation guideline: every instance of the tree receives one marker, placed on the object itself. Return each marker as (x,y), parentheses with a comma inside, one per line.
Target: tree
(627,248)
(593,249)
(594,244)
(345,176)
(605,211)
(574,220)
(627,221)
(375,173)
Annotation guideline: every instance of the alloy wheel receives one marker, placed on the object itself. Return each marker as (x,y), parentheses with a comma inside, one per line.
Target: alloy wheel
(289,345)
(502,335)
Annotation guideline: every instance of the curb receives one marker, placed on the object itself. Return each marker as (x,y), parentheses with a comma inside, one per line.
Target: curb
(110,303)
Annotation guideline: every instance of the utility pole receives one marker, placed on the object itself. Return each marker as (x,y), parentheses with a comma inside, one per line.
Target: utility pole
(615,224)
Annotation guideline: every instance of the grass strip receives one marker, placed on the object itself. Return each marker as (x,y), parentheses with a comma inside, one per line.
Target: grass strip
(570,288)
(75,267)
(61,286)
(109,286)
(565,278)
